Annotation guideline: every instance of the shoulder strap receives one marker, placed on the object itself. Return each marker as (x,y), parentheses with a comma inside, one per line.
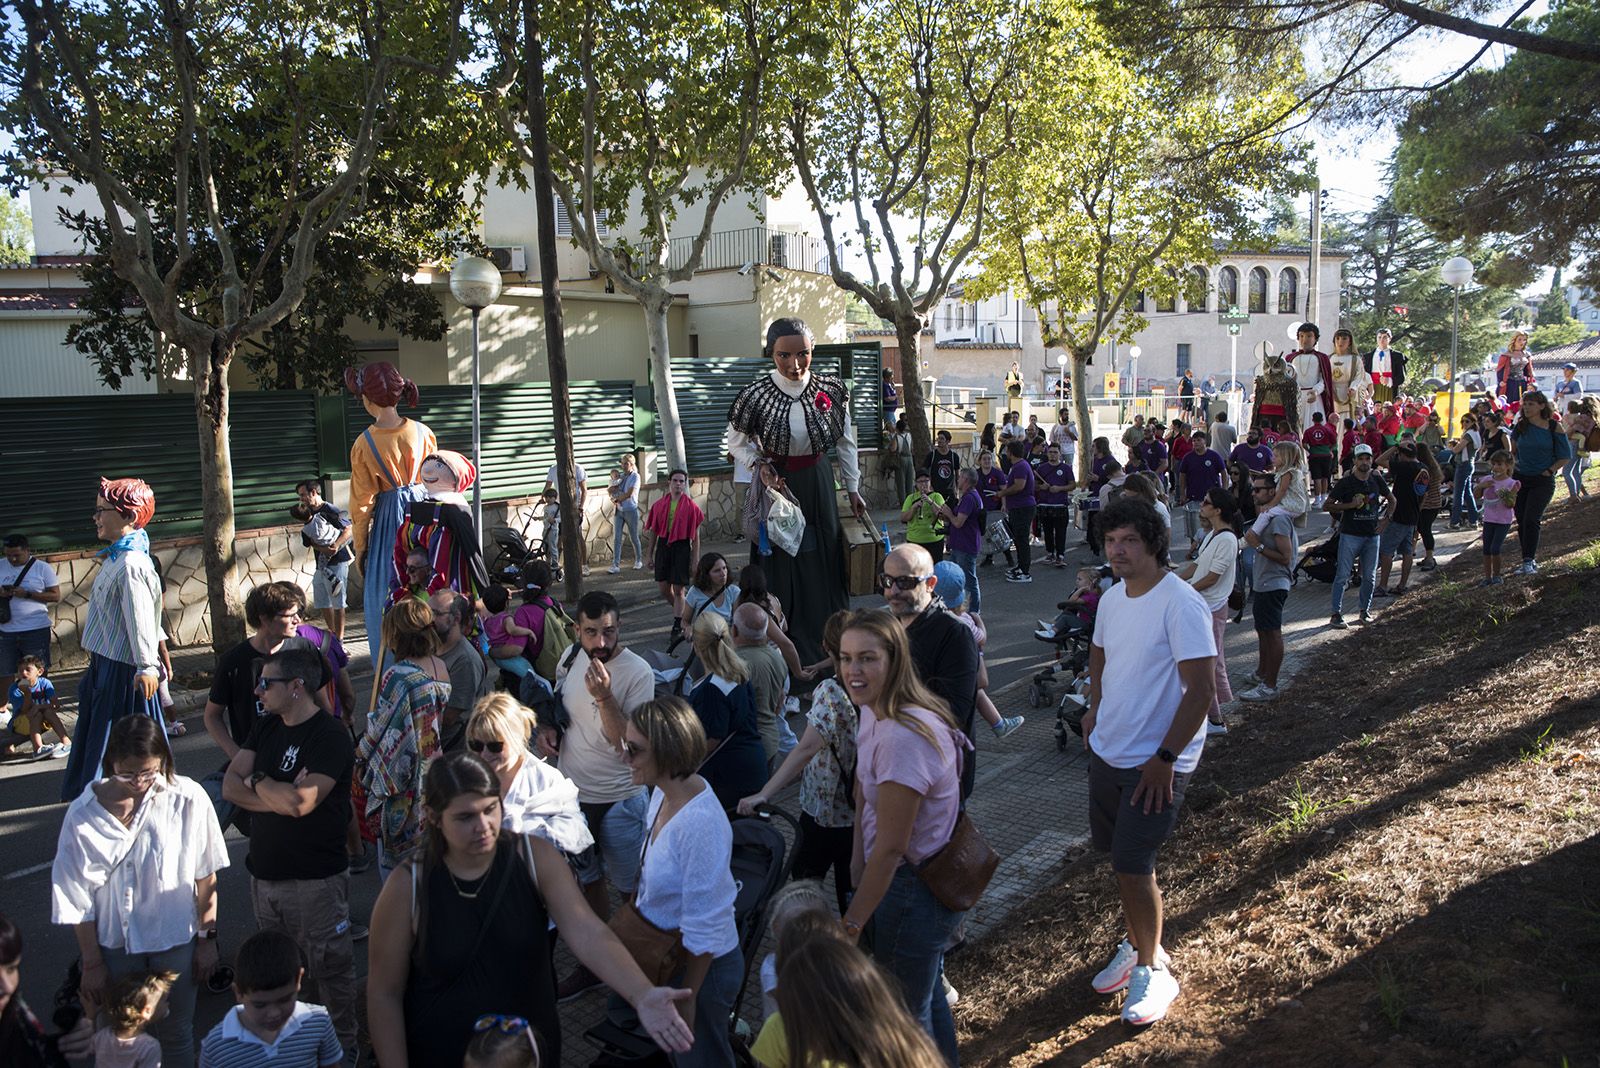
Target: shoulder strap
(383,468)
(27,567)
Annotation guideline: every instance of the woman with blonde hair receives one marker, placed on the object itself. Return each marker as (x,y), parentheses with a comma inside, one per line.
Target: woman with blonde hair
(726,704)
(908,796)
(403,730)
(536,798)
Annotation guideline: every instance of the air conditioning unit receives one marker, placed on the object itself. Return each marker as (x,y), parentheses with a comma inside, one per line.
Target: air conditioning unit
(511,259)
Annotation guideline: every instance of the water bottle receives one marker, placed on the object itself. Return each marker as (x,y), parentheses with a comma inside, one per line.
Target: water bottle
(884,530)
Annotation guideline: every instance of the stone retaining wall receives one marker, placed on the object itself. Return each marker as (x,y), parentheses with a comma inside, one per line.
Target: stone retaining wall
(275,554)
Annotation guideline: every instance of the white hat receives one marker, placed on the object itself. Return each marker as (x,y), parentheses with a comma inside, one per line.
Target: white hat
(1361,450)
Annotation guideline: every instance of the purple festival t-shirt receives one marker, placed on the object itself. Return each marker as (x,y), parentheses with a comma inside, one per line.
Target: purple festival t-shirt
(1025,498)
(1055,478)
(966,537)
(1202,472)
(1256,458)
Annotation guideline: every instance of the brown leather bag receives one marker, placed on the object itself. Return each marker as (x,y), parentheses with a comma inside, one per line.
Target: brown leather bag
(958,873)
(658,952)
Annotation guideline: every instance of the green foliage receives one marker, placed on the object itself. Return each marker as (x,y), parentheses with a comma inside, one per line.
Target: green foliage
(1506,154)
(1553,310)
(1555,335)
(16,230)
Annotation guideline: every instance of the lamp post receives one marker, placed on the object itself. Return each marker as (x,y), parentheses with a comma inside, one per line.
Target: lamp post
(475,282)
(1061,390)
(1133,371)
(1456,273)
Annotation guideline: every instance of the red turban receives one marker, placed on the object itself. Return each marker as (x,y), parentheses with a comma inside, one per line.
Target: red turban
(132,497)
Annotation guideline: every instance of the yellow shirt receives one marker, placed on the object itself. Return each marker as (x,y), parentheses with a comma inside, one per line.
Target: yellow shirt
(397,446)
(772,1045)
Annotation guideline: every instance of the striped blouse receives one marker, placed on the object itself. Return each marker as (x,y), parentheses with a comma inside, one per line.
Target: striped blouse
(123,622)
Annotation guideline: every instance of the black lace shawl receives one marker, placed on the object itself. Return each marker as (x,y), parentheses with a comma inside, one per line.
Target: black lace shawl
(761,411)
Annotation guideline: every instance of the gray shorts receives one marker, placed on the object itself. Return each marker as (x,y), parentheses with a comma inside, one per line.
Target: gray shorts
(330,585)
(1397,538)
(1123,829)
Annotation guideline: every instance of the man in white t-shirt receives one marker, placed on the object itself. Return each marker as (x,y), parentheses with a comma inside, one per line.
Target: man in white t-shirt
(28,585)
(1151,684)
(600,684)
(1063,437)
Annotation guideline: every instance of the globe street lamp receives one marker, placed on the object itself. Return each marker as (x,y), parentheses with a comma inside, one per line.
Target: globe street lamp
(475,282)
(1133,371)
(1061,391)
(1456,273)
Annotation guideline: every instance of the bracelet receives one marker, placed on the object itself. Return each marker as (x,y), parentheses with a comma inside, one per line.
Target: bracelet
(851,927)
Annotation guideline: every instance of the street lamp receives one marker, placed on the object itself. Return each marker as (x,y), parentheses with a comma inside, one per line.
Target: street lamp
(1061,362)
(475,282)
(1133,371)
(1456,273)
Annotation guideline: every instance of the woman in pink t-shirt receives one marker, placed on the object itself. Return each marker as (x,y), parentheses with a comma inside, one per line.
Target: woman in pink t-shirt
(908,794)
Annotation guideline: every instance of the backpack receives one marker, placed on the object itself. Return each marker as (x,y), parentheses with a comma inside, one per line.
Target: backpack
(559,635)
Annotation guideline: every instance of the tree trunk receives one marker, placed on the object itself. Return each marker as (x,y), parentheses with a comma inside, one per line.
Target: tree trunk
(908,328)
(655,305)
(1080,405)
(211,403)
(573,549)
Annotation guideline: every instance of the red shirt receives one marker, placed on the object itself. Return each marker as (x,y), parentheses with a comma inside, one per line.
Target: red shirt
(1318,434)
(1181,447)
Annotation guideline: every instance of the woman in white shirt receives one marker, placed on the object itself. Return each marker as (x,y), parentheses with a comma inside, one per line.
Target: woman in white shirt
(1212,574)
(536,798)
(135,874)
(1463,505)
(685,881)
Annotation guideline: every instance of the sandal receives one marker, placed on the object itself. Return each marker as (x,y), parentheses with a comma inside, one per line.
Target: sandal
(176,729)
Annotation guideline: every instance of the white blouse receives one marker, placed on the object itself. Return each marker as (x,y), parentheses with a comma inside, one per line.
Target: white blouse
(137,883)
(1219,555)
(542,801)
(745,449)
(686,883)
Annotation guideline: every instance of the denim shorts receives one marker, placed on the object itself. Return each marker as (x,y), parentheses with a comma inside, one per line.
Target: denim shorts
(618,830)
(1397,538)
(16,644)
(1125,830)
(330,585)
(1266,608)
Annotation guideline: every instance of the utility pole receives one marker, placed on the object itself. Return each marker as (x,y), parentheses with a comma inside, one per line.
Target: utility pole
(1315,281)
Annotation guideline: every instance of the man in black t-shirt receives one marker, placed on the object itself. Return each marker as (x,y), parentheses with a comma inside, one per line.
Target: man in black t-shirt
(941,466)
(1400,534)
(1358,501)
(293,776)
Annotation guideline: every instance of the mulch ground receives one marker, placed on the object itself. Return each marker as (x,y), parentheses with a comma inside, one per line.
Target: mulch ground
(1395,862)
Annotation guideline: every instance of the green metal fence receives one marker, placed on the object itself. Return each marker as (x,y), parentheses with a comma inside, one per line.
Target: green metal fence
(706,388)
(57,448)
(518,447)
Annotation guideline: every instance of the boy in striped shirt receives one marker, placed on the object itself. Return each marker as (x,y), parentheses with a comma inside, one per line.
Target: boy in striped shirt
(270,1027)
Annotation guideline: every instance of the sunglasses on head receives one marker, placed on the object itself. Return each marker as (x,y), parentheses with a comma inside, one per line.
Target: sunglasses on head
(477,745)
(508,1025)
(904,583)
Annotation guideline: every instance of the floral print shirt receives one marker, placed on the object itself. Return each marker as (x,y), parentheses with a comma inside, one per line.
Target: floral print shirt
(827,792)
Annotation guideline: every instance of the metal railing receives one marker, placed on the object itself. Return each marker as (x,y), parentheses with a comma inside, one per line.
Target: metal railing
(758,246)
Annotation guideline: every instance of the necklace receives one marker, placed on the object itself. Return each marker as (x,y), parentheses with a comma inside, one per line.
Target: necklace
(482,880)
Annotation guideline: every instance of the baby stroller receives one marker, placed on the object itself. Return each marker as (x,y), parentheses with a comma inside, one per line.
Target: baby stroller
(513,553)
(761,864)
(1320,561)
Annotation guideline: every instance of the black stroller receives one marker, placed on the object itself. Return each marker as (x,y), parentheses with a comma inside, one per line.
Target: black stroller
(761,864)
(1321,561)
(1072,657)
(513,553)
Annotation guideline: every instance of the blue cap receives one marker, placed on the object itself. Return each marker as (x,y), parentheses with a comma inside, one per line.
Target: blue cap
(952,584)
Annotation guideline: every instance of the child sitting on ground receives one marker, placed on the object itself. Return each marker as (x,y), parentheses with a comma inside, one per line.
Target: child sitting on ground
(132,1004)
(1498,493)
(508,641)
(270,1026)
(1292,497)
(34,709)
(502,1042)
(951,588)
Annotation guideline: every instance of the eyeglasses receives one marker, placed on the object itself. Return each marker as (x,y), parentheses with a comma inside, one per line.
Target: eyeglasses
(478,745)
(139,778)
(416,568)
(903,583)
(97,511)
(508,1025)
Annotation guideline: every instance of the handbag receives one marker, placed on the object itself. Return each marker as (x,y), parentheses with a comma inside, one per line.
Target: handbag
(16,584)
(1591,443)
(659,953)
(959,872)
(785,523)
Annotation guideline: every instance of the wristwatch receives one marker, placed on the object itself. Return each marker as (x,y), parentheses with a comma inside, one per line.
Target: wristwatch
(206,934)
(256,778)
(1167,756)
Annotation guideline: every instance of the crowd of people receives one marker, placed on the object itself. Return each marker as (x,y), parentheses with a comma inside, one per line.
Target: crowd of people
(521,777)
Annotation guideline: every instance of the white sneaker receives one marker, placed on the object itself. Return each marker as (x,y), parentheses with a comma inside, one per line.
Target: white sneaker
(1213,729)
(1260,692)
(613,570)
(638,565)
(1151,991)
(1114,976)
(951,994)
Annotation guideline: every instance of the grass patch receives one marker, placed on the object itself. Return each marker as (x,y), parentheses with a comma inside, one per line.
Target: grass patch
(1540,747)
(1587,557)
(1300,810)
(1391,996)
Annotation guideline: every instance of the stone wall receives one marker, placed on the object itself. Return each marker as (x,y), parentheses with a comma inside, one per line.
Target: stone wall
(275,554)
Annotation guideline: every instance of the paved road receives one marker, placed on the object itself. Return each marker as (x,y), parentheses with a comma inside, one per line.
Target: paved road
(1030,798)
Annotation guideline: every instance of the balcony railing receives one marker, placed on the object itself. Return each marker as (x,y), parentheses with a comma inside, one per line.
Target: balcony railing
(759,246)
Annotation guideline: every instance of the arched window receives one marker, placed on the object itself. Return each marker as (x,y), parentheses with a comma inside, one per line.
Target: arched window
(1198,291)
(1138,302)
(1227,288)
(1288,291)
(1168,302)
(1258,290)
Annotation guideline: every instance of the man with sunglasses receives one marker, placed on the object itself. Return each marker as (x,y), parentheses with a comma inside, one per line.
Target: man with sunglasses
(292,774)
(942,647)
